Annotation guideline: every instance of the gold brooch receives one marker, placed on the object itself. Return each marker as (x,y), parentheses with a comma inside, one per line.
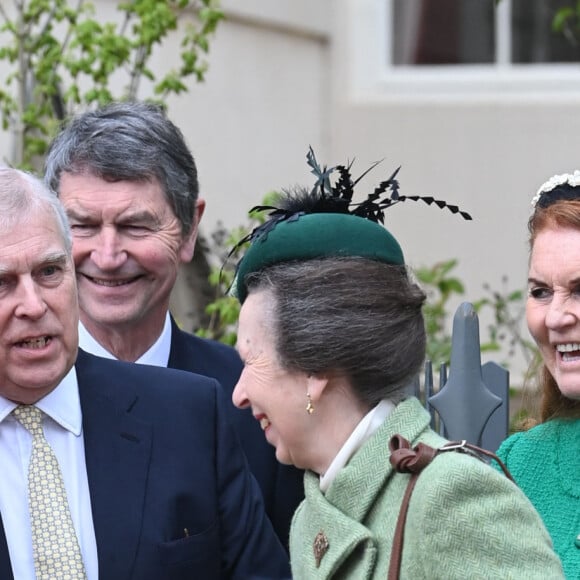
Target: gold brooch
(320,547)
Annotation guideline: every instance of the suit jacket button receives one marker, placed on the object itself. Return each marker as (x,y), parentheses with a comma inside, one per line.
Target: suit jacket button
(577,541)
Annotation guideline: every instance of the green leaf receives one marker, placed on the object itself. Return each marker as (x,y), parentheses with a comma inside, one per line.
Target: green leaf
(515,296)
(562,16)
(452,285)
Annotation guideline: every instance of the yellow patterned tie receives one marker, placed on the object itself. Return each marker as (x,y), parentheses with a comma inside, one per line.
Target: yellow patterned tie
(57,555)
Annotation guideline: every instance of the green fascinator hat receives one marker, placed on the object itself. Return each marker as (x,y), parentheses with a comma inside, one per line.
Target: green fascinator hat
(325,222)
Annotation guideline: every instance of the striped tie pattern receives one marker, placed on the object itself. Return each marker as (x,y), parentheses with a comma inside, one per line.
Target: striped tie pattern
(56,550)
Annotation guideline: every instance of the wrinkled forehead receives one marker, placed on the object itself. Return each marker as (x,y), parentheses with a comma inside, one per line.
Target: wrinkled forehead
(556,254)
(255,323)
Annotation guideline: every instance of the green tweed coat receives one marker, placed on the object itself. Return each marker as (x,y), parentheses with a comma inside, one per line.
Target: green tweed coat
(465,520)
(545,462)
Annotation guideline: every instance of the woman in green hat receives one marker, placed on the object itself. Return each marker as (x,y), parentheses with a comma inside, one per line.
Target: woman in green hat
(331,332)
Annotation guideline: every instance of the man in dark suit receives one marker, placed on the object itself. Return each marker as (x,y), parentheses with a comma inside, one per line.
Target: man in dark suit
(129,186)
(153,483)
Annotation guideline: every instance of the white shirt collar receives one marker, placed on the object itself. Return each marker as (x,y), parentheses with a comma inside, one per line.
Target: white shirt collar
(62,404)
(157,355)
(367,427)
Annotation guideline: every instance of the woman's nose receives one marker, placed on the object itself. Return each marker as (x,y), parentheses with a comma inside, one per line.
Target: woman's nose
(239,397)
(561,313)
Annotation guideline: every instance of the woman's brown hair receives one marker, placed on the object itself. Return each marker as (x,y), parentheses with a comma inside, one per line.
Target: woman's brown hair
(563,214)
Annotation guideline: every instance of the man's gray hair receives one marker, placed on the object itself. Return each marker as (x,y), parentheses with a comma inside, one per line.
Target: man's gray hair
(21,193)
(128,141)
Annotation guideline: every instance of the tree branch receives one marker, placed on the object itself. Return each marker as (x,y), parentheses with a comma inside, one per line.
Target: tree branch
(136,72)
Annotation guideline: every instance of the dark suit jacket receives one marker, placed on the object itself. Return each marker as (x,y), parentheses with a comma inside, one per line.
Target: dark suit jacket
(282,486)
(162,458)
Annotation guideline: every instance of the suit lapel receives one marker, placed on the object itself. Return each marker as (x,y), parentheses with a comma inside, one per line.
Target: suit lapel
(5,565)
(180,356)
(117,450)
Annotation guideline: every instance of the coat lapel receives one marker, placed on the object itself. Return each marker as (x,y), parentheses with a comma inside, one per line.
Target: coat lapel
(117,450)
(340,515)
(5,565)
(356,487)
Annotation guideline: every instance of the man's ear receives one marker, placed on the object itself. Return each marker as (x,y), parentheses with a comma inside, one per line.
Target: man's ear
(188,243)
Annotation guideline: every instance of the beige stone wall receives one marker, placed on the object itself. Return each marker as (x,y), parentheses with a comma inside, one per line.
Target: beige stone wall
(264,101)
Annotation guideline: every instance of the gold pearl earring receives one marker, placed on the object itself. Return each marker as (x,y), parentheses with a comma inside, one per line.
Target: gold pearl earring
(309,405)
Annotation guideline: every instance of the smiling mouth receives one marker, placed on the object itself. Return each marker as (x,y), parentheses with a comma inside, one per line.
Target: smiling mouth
(569,352)
(264,423)
(111,283)
(34,343)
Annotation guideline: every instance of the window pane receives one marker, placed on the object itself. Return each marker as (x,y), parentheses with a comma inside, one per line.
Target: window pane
(431,32)
(533,40)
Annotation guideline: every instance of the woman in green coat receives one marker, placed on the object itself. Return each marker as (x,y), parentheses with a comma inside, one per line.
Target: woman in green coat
(331,333)
(545,461)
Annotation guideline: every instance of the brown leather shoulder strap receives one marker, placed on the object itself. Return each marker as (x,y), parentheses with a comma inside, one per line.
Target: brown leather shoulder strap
(405,459)
(476,451)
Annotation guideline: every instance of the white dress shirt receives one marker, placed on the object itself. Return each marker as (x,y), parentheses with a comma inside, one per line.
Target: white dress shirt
(157,355)
(63,431)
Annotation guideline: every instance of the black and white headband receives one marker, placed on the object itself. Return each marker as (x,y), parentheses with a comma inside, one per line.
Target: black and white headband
(559,187)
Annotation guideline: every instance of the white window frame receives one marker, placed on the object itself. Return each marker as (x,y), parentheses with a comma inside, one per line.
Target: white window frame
(373,77)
